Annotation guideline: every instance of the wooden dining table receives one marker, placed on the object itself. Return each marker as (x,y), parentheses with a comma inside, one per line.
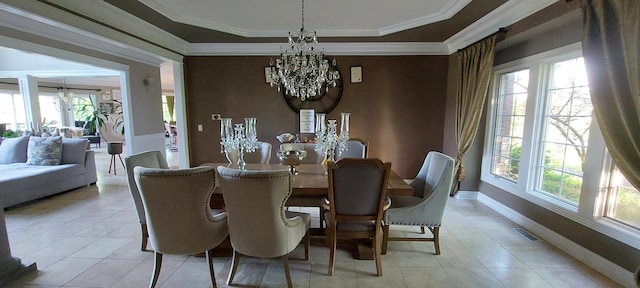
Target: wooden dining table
(308,186)
(311,179)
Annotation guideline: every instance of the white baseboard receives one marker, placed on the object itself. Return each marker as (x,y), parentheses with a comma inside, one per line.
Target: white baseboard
(473,195)
(595,261)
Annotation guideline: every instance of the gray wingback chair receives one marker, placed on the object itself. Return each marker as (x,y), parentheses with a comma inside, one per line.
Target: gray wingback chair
(259,226)
(426,207)
(176,205)
(149,159)
(313,157)
(262,155)
(356,148)
(356,203)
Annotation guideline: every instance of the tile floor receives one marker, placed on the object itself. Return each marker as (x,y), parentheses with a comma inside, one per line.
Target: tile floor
(89,237)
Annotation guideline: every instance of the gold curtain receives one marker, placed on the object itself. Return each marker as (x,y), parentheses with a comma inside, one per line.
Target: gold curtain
(170,104)
(611,49)
(475,63)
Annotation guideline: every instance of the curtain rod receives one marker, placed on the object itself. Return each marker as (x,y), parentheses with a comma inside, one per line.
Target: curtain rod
(57,87)
(500,33)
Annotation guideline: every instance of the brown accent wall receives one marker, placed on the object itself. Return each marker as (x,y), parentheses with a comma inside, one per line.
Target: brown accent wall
(399,107)
(555,26)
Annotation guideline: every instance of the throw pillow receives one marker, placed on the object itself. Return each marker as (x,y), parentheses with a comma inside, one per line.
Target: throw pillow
(13,150)
(45,151)
(74,150)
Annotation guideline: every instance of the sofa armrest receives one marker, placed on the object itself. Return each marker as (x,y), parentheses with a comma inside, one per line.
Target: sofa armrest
(90,174)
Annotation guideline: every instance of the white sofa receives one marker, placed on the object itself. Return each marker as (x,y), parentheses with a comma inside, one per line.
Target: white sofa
(26,176)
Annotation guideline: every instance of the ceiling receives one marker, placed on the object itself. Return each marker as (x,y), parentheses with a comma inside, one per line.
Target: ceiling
(250,22)
(330,18)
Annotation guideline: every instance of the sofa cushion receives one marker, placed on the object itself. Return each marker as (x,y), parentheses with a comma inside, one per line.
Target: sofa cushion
(73,150)
(45,151)
(14,150)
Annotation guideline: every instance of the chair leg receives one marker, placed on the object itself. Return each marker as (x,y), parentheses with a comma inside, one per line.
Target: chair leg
(285,262)
(321,217)
(332,250)
(145,236)
(156,269)
(234,266)
(436,238)
(377,243)
(385,238)
(307,243)
(211,271)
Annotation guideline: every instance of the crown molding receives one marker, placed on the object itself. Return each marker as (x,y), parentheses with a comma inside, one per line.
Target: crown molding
(113,16)
(505,15)
(155,5)
(450,9)
(60,26)
(337,49)
(143,42)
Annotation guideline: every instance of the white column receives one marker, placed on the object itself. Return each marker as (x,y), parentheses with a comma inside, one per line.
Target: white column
(29,90)
(10,267)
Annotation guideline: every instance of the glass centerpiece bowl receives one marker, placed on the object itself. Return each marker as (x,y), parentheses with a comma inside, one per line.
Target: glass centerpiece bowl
(292,158)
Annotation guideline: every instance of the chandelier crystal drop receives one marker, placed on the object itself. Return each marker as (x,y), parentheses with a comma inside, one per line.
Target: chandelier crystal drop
(302,70)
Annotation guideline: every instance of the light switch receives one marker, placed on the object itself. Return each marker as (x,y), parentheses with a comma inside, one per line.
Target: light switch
(199,127)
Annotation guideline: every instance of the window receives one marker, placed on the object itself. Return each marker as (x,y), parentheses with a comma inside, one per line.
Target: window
(511,106)
(50,110)
(543,145)
(82,107)
(623,200)
(565,135)
(12,112)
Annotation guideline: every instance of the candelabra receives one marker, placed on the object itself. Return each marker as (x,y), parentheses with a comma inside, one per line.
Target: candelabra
(327,139)
(241,139)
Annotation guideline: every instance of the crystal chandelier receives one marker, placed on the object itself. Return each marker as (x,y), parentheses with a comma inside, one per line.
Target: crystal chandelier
(65,96)
(302,70)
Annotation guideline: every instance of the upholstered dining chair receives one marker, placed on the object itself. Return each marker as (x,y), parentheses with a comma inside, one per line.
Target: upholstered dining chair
(262,155)
(176,204)
(313,157)
(259,226)
(356,148)
(426,207)
(149,159)
(356,203)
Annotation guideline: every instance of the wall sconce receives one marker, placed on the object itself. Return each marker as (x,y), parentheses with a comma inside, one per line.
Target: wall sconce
(147,80)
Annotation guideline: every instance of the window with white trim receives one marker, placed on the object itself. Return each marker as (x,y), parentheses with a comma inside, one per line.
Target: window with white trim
(563,143)
(509,128)
(543,144)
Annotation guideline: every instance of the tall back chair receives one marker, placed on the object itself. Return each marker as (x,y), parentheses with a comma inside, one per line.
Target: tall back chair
(259,226)
(176,205)
(426,207)
(149,159)
(312,157)
(356,148)
(262,155)
(356,203)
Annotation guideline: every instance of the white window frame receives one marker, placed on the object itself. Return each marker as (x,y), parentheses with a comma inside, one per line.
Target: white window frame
(589,210)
